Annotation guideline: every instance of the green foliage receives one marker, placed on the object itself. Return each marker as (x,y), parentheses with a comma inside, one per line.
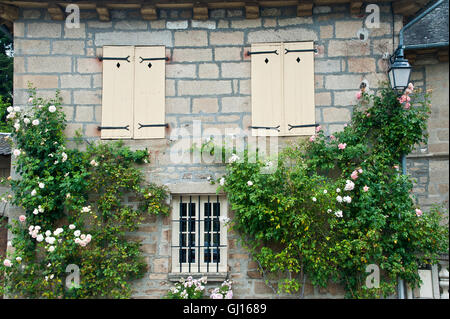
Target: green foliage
(74,210)
(4,104)
(334,205)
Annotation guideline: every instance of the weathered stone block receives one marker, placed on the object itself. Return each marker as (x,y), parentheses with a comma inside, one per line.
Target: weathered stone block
(180,70)
(50,64)
(191,38)
(205,105)
(361,65)
(192,55)
(236,104)
(68,47)
(87,97)
(226,38)
(333,115)
(236,70)
(228,54)
(44,30)
(31,47)
(204,87)
(38,81)
(208,71)
(177,105)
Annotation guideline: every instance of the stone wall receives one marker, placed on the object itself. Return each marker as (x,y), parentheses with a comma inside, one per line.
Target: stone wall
(429,164)
(207,79)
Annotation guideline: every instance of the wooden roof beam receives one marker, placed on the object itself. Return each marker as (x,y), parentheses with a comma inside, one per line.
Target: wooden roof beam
(9,13)
(200,11)
(55,11)
(149,12)
(305,8)
(251,10)
(103,13)
(405,7)
(355,7)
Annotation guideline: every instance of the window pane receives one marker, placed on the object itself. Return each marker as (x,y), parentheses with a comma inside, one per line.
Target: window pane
(183,209)
(183,240)
(207,209)
(182,255)
(192,240)
(183,224)
(192,255)
(191,209)
(216,225)
(216,209)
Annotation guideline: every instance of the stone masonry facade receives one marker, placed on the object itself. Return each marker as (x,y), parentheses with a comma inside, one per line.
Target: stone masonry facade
(207,79)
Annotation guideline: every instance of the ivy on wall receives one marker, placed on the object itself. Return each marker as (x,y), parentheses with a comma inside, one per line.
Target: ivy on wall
(335,204)
(74,213)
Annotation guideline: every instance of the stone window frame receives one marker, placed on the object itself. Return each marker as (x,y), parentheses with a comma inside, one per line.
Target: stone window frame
(213,271)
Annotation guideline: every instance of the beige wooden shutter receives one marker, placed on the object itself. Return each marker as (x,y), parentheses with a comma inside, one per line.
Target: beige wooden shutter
(149,92)
(298,89)
(266,85)
(117,93)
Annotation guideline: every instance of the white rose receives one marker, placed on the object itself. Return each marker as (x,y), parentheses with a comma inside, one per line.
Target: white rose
(48,233)
(52,108)
(72,226)
(35,122)
(16,152)
(35,211)
(39,238)
(222,181)
(33,192)
(339,199)
(19,259)
(249,183)
(10,109)
(16,109)
(51,248)
(41,185)
(26,120)
(76,233)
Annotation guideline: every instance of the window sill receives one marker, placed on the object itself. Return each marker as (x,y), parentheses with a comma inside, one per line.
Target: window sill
(211,276)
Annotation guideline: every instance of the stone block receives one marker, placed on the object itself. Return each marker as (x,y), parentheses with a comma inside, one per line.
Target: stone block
(195,38)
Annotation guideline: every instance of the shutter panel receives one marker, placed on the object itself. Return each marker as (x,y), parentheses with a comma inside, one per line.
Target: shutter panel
(298,80)
(149,92)
(117,93)
(266,88)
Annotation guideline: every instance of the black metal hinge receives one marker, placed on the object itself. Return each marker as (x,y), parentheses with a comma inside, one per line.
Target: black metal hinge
(305,50)
(266,127)
(263,52)
(113,128)
(114,58)
(299,126)
(152,125)
(152,59)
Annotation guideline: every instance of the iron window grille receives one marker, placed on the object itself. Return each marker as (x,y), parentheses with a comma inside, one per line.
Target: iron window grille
(199,235)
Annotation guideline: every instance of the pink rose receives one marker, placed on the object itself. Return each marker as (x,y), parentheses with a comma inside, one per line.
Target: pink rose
(358,95)
(368,114)
(366,188)
(354,175)
(332,137)
(396,166)
(402,99)
(318,129)
(411,86)
(22,218)
(407,106)
(418,212)
(342,146)
(312,138)
(360,170)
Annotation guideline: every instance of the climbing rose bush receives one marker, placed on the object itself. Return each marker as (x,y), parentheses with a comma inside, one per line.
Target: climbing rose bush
(74,211)
(336,204)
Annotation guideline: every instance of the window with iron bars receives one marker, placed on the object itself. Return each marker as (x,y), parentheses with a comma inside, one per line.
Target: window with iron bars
(199,235)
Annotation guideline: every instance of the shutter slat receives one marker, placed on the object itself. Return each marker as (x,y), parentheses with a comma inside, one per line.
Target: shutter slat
(149,93)
(117,93)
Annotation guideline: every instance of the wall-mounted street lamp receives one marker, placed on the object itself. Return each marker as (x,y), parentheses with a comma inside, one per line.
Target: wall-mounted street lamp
(399,71)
